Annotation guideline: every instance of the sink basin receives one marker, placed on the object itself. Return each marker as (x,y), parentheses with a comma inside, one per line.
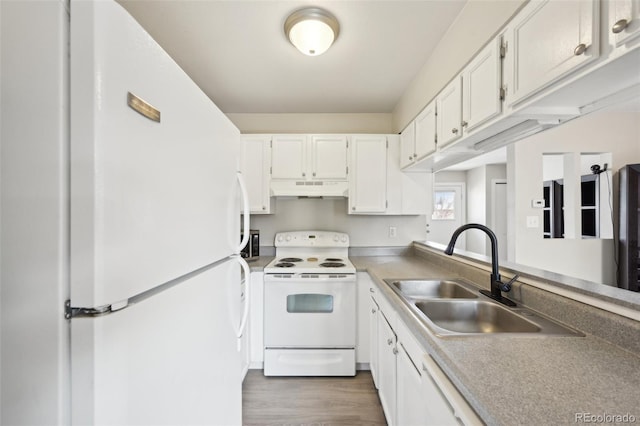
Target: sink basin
(454,307)
(485,317)
(440,289)
(474,316)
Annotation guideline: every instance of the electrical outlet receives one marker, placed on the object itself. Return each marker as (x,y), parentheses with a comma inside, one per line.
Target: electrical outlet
(393,232)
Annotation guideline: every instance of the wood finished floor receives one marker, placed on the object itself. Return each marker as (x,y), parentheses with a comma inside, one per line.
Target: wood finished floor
(310,400)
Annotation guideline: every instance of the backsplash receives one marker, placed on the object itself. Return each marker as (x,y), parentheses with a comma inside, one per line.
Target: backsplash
(293,214)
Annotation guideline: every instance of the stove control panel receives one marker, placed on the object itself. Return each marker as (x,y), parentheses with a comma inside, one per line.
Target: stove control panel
(311,239)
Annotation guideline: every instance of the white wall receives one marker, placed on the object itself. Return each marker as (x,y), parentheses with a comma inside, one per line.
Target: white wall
(294,214)
(476,208)
(34,136)
(445,176)
(590,259)
(476,24)
(313,123)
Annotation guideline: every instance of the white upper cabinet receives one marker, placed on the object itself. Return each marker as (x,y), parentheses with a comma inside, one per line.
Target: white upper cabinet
(449,105)
(368,178)
(256,161)
(481,81)
(548,39)
(309,157)
(408,145)
(425,132)
(289,157)
(329,157)
(624,21)
(407,193)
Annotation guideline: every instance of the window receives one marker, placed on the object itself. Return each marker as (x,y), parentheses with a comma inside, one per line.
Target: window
(444,205)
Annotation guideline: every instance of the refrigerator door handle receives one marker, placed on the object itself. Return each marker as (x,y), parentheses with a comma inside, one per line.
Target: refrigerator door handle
(247,294)
(71,312)
(245,213)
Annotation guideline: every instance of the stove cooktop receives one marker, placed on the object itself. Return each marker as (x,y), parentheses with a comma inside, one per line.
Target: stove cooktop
(315,252)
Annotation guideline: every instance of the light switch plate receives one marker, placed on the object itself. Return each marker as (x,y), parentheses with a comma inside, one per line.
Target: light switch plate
(533,222)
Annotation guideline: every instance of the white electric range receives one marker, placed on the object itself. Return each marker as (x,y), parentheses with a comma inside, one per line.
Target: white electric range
(310,306)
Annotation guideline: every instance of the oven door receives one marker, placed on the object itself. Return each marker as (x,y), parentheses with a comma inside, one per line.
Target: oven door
(310,311)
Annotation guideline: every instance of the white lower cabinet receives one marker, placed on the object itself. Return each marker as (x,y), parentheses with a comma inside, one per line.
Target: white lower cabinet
(373,340)
(413,390)
(387,368)
(445,405)
(411,402)
(256,315)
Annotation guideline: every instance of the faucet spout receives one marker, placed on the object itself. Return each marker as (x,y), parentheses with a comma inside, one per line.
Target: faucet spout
(497,286)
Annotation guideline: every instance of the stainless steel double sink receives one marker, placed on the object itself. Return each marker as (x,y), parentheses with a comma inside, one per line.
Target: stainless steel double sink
(454,307)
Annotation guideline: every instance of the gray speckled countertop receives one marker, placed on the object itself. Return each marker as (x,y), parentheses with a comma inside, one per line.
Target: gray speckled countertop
(257,264)
(509,380)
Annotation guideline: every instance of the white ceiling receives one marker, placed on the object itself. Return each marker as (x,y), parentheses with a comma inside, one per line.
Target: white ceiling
(236,51)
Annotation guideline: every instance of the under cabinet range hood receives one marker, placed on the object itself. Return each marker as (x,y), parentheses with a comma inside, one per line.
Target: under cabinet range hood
(309,188)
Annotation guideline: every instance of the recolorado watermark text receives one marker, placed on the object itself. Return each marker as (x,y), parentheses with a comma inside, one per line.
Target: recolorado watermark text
(604,418)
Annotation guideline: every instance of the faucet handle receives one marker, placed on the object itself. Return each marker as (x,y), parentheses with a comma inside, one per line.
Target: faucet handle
(507,286)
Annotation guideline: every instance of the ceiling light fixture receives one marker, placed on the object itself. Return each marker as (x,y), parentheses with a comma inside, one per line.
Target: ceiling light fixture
(312,30)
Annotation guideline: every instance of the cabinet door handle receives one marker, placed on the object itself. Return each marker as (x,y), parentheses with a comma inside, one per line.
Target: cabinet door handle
(464,124)
(304,174)
(395,351)
(373,311)
(580,49)
(353,208)
(264,207)
(314,174)
(389,342)
(619,26)
(371,290)
(454,131)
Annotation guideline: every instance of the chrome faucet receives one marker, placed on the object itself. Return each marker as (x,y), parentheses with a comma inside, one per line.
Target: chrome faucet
(497,286)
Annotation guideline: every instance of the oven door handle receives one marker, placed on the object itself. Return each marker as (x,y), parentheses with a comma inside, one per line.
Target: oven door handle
(247,294)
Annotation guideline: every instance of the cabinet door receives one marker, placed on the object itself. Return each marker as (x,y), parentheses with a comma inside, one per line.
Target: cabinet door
(445,405)
(449,104)
(412,404)
(368,181)
(407,145)
(387,368)
(329,157)
(624,20)
(363,308)
(481,81)
(373,340)
(256,161)
(288,157)
(426,131)
(547,38)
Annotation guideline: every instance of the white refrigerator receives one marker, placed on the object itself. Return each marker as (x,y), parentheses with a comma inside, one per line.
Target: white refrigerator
(149,197)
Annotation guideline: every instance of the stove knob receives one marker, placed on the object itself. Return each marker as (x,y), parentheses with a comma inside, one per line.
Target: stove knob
(344,239)
(280,238)
(336,238)
(288,237)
